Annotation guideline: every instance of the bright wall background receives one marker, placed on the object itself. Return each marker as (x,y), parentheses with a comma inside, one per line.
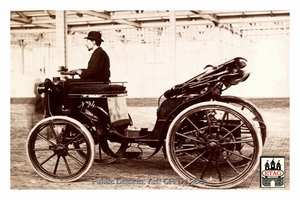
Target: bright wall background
(144,59)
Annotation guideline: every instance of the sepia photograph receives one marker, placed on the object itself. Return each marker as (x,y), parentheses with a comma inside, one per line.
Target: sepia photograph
(150,99)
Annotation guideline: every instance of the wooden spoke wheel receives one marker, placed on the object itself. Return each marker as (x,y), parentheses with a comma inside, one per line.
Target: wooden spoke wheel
(213,145)
(51,151)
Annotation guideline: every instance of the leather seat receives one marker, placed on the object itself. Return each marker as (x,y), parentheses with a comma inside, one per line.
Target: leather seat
(80,86)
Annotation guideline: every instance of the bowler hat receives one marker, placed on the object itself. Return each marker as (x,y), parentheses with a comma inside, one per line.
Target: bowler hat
(94,35)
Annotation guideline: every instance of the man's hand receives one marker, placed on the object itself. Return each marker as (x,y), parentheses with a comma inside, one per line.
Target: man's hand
(79,71)
(76,71)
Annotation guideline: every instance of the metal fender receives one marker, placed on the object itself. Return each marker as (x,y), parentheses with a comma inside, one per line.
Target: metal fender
(175,112)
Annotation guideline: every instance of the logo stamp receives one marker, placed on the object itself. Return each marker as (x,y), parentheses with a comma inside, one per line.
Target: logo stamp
(272,172)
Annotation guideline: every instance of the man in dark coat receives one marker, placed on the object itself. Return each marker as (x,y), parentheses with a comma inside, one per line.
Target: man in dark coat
(98,68)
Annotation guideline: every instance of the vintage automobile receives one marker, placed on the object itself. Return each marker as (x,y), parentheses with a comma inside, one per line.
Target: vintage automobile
(207,138)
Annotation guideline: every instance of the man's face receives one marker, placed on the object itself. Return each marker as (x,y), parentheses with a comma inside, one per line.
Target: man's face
(89,44)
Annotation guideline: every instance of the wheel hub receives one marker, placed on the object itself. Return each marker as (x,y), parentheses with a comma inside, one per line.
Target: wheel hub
(60,149)
(213,145)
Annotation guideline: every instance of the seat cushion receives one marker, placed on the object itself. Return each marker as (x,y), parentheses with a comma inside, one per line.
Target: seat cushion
(91,87)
